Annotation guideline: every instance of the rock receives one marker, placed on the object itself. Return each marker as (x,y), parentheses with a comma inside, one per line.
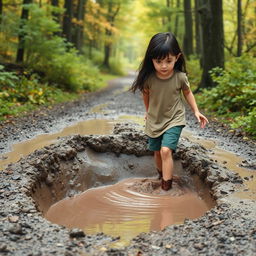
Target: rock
(16,177)
(4,248)
(76,233)
(16,229)
(199,246)
(49,180)
(13,219)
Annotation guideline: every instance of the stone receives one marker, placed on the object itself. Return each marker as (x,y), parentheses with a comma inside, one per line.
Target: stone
(13,219)
(76,233)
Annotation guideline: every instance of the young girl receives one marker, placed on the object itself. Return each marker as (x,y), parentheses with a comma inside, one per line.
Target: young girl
(161,78)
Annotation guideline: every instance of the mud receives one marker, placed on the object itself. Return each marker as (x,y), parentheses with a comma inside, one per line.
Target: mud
(132,205)
(28,188)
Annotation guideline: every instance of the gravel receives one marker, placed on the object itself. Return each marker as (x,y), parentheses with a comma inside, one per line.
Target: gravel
(227,229)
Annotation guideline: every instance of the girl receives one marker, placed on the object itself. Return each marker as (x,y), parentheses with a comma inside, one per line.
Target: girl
(161,78)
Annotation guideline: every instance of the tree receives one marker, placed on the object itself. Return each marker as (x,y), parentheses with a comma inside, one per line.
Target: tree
(54,14)
(169,6)
(188,36)
(21,37)
(1,10)
(198,33)
(176,26)
(239,28)
(67,20)
(211,19)
(111,16)
(79,26)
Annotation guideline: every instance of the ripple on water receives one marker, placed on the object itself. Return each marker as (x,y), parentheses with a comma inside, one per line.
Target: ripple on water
(128,208)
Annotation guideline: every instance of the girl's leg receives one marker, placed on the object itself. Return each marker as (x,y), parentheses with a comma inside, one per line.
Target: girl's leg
(167,167)
(158,162)
(167,163)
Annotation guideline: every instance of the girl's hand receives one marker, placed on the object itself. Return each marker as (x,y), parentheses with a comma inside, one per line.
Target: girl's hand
(201,119)
(146,116)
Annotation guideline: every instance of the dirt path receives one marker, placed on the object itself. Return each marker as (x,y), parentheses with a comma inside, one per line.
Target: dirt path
(228,228)
(110,103)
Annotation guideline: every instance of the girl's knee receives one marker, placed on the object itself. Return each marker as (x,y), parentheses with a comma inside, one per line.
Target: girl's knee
(165,152)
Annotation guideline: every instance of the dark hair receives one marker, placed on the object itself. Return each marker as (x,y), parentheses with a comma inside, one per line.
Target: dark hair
(160,46)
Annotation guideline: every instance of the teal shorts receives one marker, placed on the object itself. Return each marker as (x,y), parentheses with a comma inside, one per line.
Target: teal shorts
(168,139)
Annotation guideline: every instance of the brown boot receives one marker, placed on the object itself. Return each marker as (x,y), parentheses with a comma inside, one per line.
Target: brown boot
(160,174)
(166,184)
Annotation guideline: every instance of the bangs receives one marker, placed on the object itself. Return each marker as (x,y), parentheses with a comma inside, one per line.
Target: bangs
(161,51)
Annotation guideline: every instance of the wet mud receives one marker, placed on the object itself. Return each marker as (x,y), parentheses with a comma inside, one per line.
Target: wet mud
(80,167)
(133,205)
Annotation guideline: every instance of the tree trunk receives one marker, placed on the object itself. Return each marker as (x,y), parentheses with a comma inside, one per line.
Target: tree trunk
(56,16)
(78,40)
(198,30)
(1,11)
(168,5)
(107,52)
(239,28)
(21,36)
(188,37)
(176,27)
(211,17)
(112,12)
(67,20)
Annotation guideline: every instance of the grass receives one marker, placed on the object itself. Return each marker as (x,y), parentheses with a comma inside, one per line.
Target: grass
(13,109)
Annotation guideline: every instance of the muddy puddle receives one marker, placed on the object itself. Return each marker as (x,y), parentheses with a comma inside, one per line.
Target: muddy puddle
(133,205)
(231,161)
(93,126)
(120,203)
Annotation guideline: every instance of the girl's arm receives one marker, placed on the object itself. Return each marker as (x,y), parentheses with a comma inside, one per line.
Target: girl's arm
(145,95)
(189,96)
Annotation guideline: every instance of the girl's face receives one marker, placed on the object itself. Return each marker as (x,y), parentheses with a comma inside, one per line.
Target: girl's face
(164,67)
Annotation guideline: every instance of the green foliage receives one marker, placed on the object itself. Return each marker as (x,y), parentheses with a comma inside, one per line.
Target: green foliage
(116,67)
(247,122)
(235,93)
(49,54)
(194,71)
(8,32)
(22,89)
(26,92)
(7,79)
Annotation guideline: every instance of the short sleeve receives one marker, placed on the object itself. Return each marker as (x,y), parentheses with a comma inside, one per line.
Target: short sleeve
(185,85)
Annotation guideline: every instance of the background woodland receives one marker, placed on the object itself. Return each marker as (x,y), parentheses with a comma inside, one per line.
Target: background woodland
(53,51)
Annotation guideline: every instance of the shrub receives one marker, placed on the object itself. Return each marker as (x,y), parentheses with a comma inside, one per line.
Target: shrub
(7,79)
(50,55)
(235,93)
(194,72)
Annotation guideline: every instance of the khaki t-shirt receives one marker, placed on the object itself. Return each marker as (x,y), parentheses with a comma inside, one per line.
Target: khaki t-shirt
(166,108)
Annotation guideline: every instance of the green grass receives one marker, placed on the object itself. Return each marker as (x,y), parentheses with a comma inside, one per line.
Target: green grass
(9,109)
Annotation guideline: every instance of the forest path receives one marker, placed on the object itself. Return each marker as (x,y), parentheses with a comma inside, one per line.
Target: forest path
(115,103)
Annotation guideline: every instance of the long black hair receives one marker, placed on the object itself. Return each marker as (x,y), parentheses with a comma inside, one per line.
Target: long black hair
(160,46)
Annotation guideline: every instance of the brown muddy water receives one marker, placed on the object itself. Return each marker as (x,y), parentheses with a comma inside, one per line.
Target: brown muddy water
(132,206)
(230,161)
(93,126)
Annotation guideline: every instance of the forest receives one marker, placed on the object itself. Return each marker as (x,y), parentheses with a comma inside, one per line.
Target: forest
(56,50)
